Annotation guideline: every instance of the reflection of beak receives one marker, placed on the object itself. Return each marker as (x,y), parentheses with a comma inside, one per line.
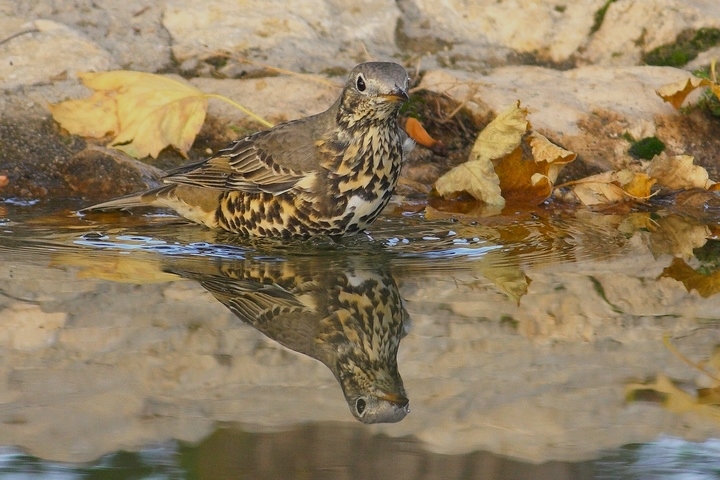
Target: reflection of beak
(398,400)
(397,95)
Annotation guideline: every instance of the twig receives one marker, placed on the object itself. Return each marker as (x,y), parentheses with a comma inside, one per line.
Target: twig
(15,35)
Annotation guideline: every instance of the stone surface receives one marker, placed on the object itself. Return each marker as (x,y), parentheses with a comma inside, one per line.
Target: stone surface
(301,35)
(631,28)
(588,110)
(48,51)
(131,30)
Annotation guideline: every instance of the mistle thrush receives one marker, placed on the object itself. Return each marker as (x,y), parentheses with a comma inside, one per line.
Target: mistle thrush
(326,174)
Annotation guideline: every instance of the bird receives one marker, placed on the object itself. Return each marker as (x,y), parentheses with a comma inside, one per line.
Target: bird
(348,315)
(327,174)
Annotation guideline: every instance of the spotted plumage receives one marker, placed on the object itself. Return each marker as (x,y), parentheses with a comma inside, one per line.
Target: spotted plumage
(348,316)
(327,174)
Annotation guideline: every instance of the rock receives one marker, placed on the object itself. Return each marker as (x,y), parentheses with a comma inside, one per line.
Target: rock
(44,50)
(489,33)
(588,110)
(130,30)
(304,36)
(630,29)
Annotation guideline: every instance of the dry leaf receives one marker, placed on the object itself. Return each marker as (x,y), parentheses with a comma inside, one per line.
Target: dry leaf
(145,112)
(417,132)
(531,180)
(612,187)
(501,136)
(677,235)
(679,172)
(3,181)
(673,398)
(477,176)
(675,93)
(706,285)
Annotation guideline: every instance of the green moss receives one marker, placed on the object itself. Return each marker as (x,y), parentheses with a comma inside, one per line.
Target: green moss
(600,16)
(708,101)
(685,48)
(647,148)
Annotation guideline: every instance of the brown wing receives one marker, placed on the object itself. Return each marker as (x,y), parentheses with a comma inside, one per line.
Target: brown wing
(271,161)
(269,308)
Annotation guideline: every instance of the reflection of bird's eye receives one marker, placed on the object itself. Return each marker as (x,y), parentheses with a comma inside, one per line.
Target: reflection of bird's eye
(360,406)
(360,83)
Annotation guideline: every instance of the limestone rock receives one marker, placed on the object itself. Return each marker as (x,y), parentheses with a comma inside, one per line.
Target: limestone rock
(308,35)
(44,51)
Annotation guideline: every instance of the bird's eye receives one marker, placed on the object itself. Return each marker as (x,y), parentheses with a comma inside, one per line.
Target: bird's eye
(360,83)
(360,406)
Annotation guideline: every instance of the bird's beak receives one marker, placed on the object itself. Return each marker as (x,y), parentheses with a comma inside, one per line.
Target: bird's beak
(398,400)
(397,95)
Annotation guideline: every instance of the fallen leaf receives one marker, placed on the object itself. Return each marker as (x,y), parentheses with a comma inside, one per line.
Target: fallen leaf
(677,235)
(501,136)
(705,285)
(477,176)
(679,172)
(145,112)
(93,117)
(530,179)
(4,181)
(672,397)
(676,93)
(612,187)
(417,132)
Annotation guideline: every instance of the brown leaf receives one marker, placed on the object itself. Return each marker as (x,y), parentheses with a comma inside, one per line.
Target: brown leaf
(531,180)
(675,93)
(477,176)
(679,172)
(706,285)
(4,181)
(612,187)
(417,132)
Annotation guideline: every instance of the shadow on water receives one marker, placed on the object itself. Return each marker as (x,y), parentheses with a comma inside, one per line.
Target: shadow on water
(521,338)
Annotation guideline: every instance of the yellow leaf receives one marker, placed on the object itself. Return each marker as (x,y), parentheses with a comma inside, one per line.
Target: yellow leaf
(673,398)
(501,136)
(150,111)
(706,285)
(678,172)
(639,186)
(477,176)
(612,187)
(675,93)
(93,117)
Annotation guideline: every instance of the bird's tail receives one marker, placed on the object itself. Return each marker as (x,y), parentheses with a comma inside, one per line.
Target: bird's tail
(145,199)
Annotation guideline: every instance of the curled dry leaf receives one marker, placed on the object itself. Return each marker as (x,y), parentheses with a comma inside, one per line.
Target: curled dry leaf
(676,93)
(679,172)
(417,132)
(612,187)
(508,164)
(531,180)
(477,176)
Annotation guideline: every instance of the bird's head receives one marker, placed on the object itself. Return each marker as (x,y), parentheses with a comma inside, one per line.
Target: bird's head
(375,394)
(375,90)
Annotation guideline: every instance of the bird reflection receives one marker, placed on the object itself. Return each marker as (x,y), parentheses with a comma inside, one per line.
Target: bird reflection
(344,313)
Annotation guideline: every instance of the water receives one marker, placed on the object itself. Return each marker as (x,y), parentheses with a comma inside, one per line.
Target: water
(529,346)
